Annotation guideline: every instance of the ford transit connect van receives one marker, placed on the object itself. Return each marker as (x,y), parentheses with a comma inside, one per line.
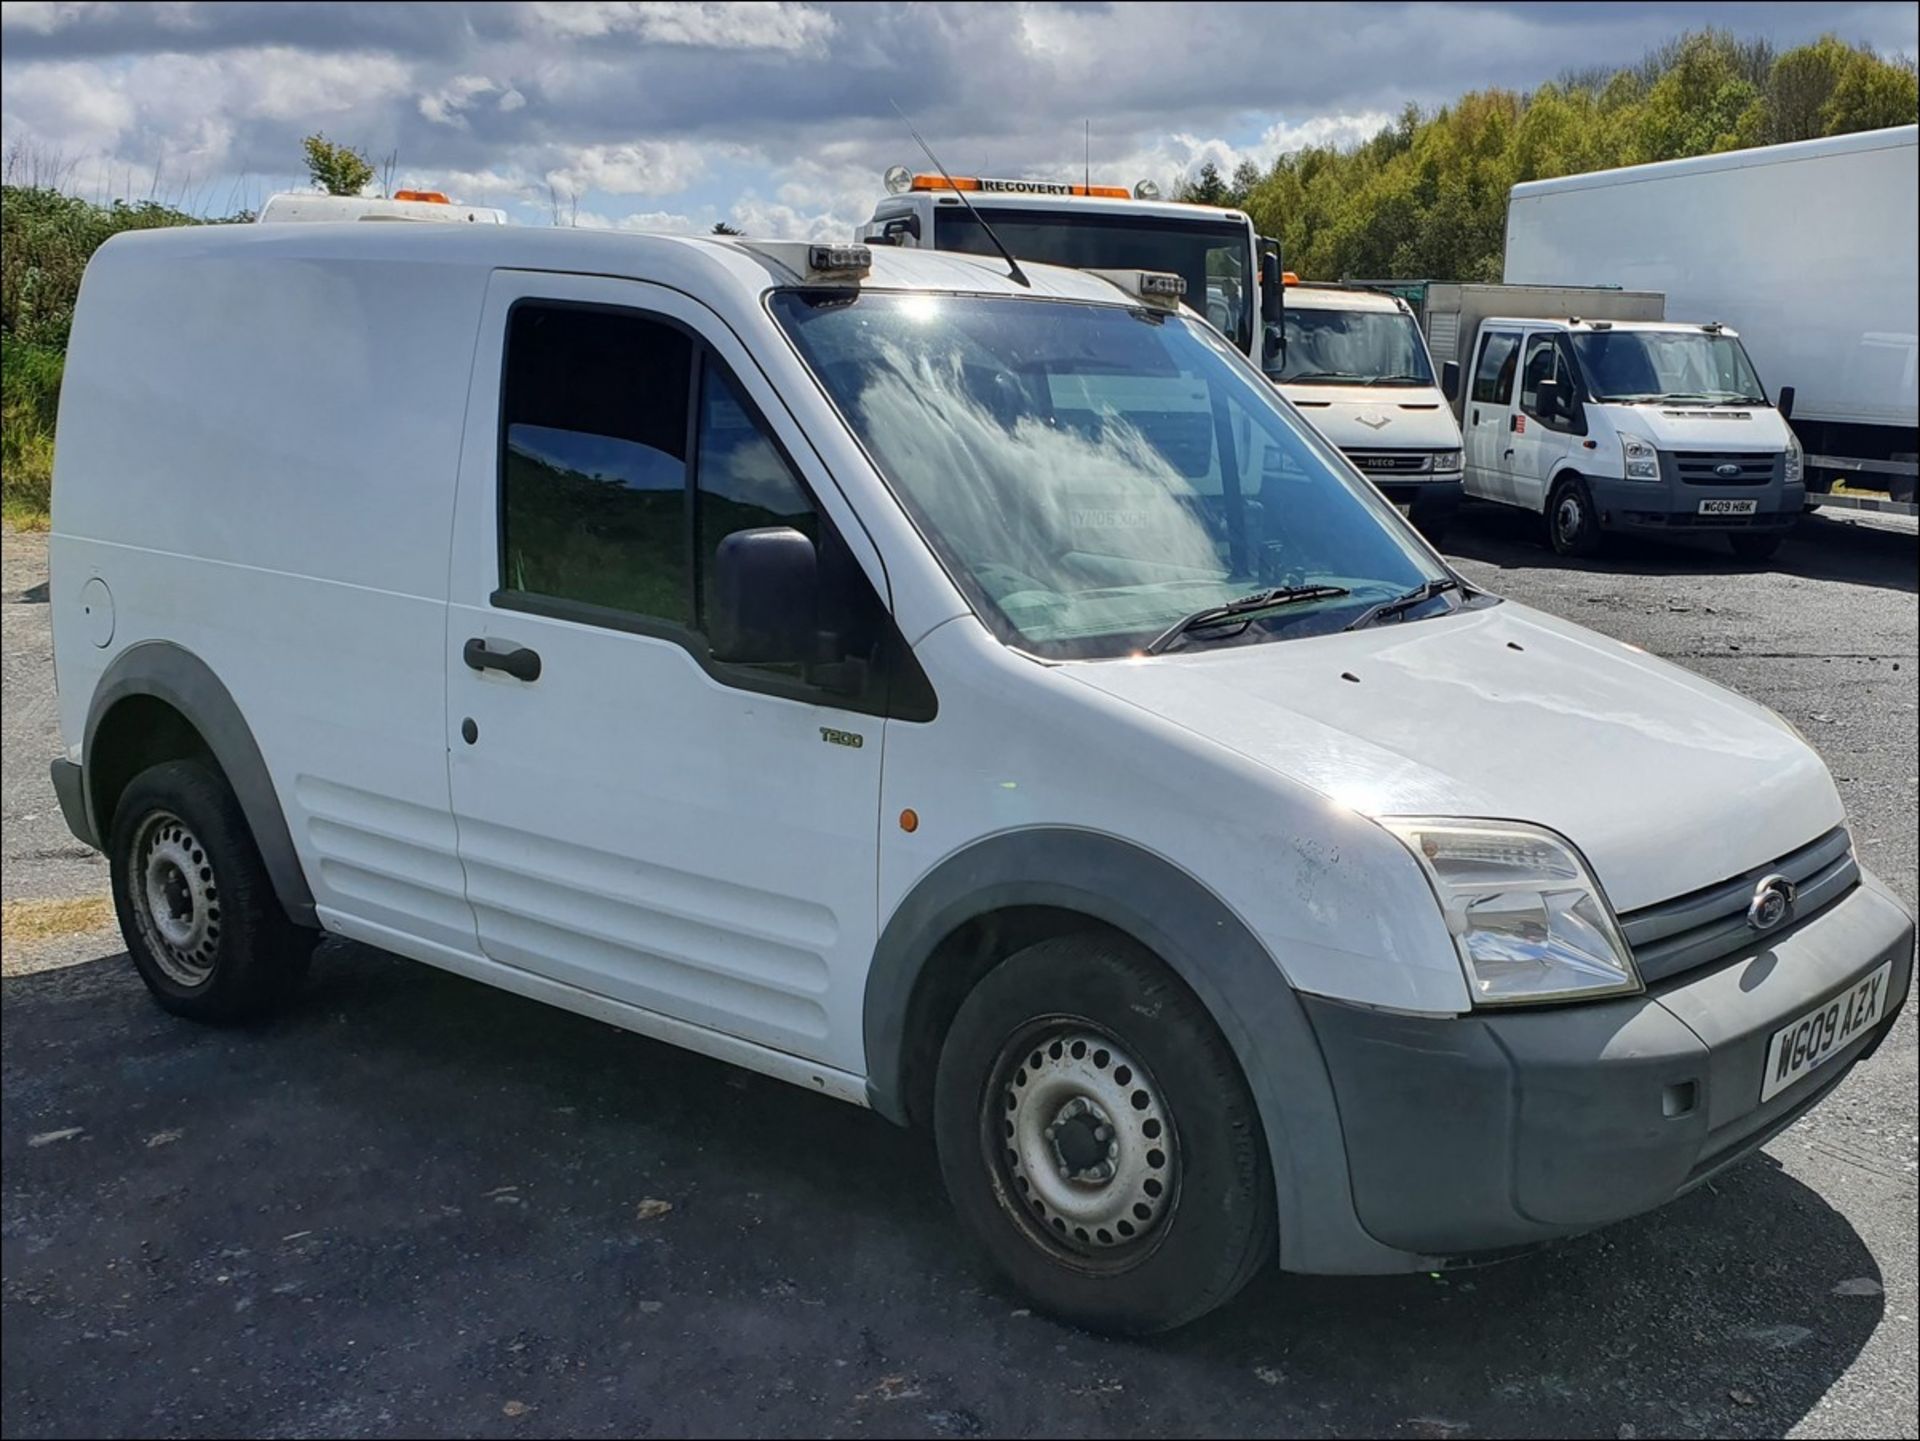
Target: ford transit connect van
(982,701)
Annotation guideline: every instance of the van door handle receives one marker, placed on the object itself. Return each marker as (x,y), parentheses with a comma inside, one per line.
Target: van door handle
(1476,417)
(517,661)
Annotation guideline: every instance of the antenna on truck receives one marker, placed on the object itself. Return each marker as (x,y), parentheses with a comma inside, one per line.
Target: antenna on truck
(1014,271)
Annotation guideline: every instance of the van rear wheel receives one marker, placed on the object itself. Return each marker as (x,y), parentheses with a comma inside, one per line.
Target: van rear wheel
(196,907)
(1098,1139)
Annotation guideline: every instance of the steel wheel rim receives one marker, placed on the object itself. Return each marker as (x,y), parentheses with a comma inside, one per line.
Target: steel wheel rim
(176,901)
(1080,1142)
(1567,517)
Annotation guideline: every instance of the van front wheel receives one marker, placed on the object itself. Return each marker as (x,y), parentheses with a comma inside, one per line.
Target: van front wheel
(1097,1137)
(1573,525)
(196,907)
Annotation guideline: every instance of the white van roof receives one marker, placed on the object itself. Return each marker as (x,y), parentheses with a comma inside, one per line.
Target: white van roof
(710,267)
(1338,297)
(311,207)
(1581,326)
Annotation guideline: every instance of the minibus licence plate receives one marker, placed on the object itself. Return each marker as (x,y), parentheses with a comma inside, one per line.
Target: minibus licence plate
(1822,1034)
(1729,507)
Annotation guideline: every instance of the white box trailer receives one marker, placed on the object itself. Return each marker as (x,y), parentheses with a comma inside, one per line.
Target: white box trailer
(1807,249)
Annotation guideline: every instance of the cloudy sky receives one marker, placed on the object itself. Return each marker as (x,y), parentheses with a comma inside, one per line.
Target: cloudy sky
(774,116)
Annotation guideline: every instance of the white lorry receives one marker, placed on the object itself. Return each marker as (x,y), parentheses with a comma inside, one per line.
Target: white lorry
(1587,408)
(985,702)
(1807,249)
(1352,361)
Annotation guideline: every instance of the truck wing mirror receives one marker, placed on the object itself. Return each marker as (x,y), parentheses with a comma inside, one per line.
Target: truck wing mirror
(1548,402)
(1450,380)
(1785,403)
(1272,288)
(765,596)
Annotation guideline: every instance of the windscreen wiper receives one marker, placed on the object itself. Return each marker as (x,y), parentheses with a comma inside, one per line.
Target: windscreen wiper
(1399,380)
(1323,375)
(1243,610)
(1425,591)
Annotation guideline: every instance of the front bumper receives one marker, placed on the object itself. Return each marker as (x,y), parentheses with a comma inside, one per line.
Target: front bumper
(1507,1128)
(1429,496)
(1667,507)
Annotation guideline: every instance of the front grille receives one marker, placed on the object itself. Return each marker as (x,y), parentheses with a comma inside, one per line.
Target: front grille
(1707,924)
(1392,462)
(1704,467)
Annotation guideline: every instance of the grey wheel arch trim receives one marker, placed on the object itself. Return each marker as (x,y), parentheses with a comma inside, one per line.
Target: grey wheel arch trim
(1208,947)
(170,673)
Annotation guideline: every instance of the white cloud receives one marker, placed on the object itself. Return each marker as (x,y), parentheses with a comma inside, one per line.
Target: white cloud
(656,221)
(638,167)
(711,24)
(443,106)
(512,100)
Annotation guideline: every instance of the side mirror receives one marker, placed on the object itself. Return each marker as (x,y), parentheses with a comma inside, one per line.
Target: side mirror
(898,226)
(1785,403)
(1450,380)
(765,594)
(1547,400)
(1272,288)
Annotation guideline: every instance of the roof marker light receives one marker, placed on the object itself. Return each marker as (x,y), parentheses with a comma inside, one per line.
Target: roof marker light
(840,259)
(431,197)
(1157,288)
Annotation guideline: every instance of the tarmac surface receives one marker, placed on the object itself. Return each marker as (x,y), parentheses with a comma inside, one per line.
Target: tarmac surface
(417,1205)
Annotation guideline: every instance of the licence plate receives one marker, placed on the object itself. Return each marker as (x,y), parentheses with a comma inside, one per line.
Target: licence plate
(1823,1033)
(1729,507)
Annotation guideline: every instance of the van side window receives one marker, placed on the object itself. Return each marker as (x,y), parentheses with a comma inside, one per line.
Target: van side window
(1493,376)
(594,470)
(742,481)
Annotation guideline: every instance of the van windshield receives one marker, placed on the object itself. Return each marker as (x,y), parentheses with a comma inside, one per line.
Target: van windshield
(1630,365)
(1350,347)
(1091,474)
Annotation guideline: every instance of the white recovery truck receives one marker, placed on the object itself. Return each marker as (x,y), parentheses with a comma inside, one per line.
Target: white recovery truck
(1351,360)
(1807,249)
(1591,409)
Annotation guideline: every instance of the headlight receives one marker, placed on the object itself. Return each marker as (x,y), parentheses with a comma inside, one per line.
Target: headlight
(1526,914)
(1446,460)
(1794,471)
(1643,461)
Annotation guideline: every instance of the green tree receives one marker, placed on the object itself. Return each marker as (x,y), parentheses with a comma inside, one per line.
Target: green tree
(1206,188)
(336,169)
(1246,175)
(1872,95)
(720,227)
(1697,106)
(1801,84)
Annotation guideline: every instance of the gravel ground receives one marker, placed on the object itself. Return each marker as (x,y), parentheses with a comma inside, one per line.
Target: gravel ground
(421,1206)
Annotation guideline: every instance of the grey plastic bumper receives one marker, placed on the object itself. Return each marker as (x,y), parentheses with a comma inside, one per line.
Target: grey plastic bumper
(69,787)
(1503,1129)
(1429,493)
(1664,506)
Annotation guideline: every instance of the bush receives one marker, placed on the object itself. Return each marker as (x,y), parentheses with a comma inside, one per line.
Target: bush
(29,400)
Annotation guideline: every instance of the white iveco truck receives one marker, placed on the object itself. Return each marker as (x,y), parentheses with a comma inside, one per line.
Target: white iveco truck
(1807,249)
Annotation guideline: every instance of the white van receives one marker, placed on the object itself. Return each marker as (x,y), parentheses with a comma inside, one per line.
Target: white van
(983,702)
(1355,364)
(1603,421)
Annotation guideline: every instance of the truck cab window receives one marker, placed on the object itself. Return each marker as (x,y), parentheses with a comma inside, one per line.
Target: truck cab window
(593,465)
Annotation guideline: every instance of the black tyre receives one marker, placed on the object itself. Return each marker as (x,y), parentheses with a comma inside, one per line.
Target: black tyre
(1573,525)
(1098,1138)
(196,907)
(1756,545)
